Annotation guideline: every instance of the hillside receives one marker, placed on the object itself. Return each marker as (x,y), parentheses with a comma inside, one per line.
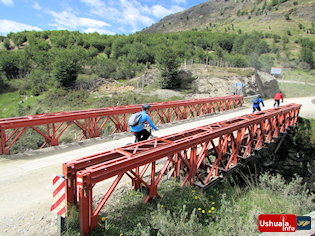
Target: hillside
(265,16)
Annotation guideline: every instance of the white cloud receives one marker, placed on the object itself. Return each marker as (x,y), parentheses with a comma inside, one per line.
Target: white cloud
(8,2)
(159,11)
(101,9)
(68,19)
(130,12)
(7,26)
(36,6)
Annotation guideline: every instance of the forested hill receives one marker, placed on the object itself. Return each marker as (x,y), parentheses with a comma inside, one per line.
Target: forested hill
(275,16)
(40,63)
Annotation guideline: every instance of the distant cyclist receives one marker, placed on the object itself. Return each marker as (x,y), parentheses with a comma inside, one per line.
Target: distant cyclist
(138,130)
(278,96)
(256,103)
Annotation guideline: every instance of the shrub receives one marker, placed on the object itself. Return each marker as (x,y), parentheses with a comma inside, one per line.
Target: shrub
(276,38)
(66,71)
(290,65)
(287,16)
(39,79)
(6,44)
(306,55)
(231,219)
(304,66)
(30,138)
(182,222)
(294,191)
(168,64)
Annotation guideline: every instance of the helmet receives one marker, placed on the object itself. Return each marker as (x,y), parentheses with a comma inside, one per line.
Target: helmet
(259,96)
(146,106)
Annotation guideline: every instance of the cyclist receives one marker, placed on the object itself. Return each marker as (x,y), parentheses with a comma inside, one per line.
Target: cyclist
(256,103)
(138,130)
(278,96)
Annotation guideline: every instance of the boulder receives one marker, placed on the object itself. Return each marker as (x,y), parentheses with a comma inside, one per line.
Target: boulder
(267,84)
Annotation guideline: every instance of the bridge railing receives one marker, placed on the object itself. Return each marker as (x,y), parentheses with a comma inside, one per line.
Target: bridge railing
(199,156)
(51,126)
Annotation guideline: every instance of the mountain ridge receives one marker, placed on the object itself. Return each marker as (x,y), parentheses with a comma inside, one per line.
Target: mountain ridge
(219,14)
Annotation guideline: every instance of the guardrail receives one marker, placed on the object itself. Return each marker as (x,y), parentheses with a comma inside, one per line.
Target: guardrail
(51,126)
(204,155)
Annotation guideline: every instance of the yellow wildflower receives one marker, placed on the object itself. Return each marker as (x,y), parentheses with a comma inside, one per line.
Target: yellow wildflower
(103,218)
(162,206)
(212,208)
(213,203)
(203,211)
(209,211)
(196,197)
(199,209)
(193,191)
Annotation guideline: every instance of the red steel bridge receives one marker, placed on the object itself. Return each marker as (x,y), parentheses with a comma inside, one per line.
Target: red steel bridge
(51,126)
(204,155)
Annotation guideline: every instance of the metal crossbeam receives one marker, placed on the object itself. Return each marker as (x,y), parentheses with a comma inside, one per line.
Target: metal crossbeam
(53,125)
(204,154)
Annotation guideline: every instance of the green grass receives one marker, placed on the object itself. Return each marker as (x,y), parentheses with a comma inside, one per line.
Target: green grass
(187,211)
(11,102)
(296,90)
(248,72)
(85,77)
(295,74)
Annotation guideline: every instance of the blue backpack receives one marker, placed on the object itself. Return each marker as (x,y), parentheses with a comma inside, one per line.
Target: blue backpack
(256,101)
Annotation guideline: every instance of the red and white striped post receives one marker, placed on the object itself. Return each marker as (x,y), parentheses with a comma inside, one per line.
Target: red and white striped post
(59,201)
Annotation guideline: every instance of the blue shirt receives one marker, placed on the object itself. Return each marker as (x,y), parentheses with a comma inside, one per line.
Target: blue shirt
(143,119)
(260,101)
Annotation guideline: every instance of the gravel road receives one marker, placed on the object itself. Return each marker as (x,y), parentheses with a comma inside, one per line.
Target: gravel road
(26,179)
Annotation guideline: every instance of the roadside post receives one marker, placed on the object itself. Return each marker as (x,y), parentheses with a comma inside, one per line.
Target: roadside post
(242,85)
(59,202)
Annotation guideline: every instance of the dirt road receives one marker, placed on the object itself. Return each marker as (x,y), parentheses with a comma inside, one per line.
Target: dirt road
(26,179)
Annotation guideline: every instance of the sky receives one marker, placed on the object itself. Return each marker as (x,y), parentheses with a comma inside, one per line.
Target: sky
(87,16)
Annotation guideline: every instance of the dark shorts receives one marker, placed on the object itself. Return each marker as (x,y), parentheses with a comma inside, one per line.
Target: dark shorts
(256,108)
(277,103)
(141,135)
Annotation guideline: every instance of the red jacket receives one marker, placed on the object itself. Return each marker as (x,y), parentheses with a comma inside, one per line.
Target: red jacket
(278,96)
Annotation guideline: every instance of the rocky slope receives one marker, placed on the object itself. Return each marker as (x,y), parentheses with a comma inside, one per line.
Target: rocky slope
(217,81)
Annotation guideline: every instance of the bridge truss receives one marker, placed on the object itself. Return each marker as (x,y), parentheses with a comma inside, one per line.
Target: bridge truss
(51,126)
(204,155)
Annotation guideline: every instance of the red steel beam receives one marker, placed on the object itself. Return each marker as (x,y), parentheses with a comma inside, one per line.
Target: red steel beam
(204,154)
(91,121)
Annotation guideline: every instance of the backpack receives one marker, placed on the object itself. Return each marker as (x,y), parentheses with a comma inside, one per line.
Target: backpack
(134,119)
(256,101)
